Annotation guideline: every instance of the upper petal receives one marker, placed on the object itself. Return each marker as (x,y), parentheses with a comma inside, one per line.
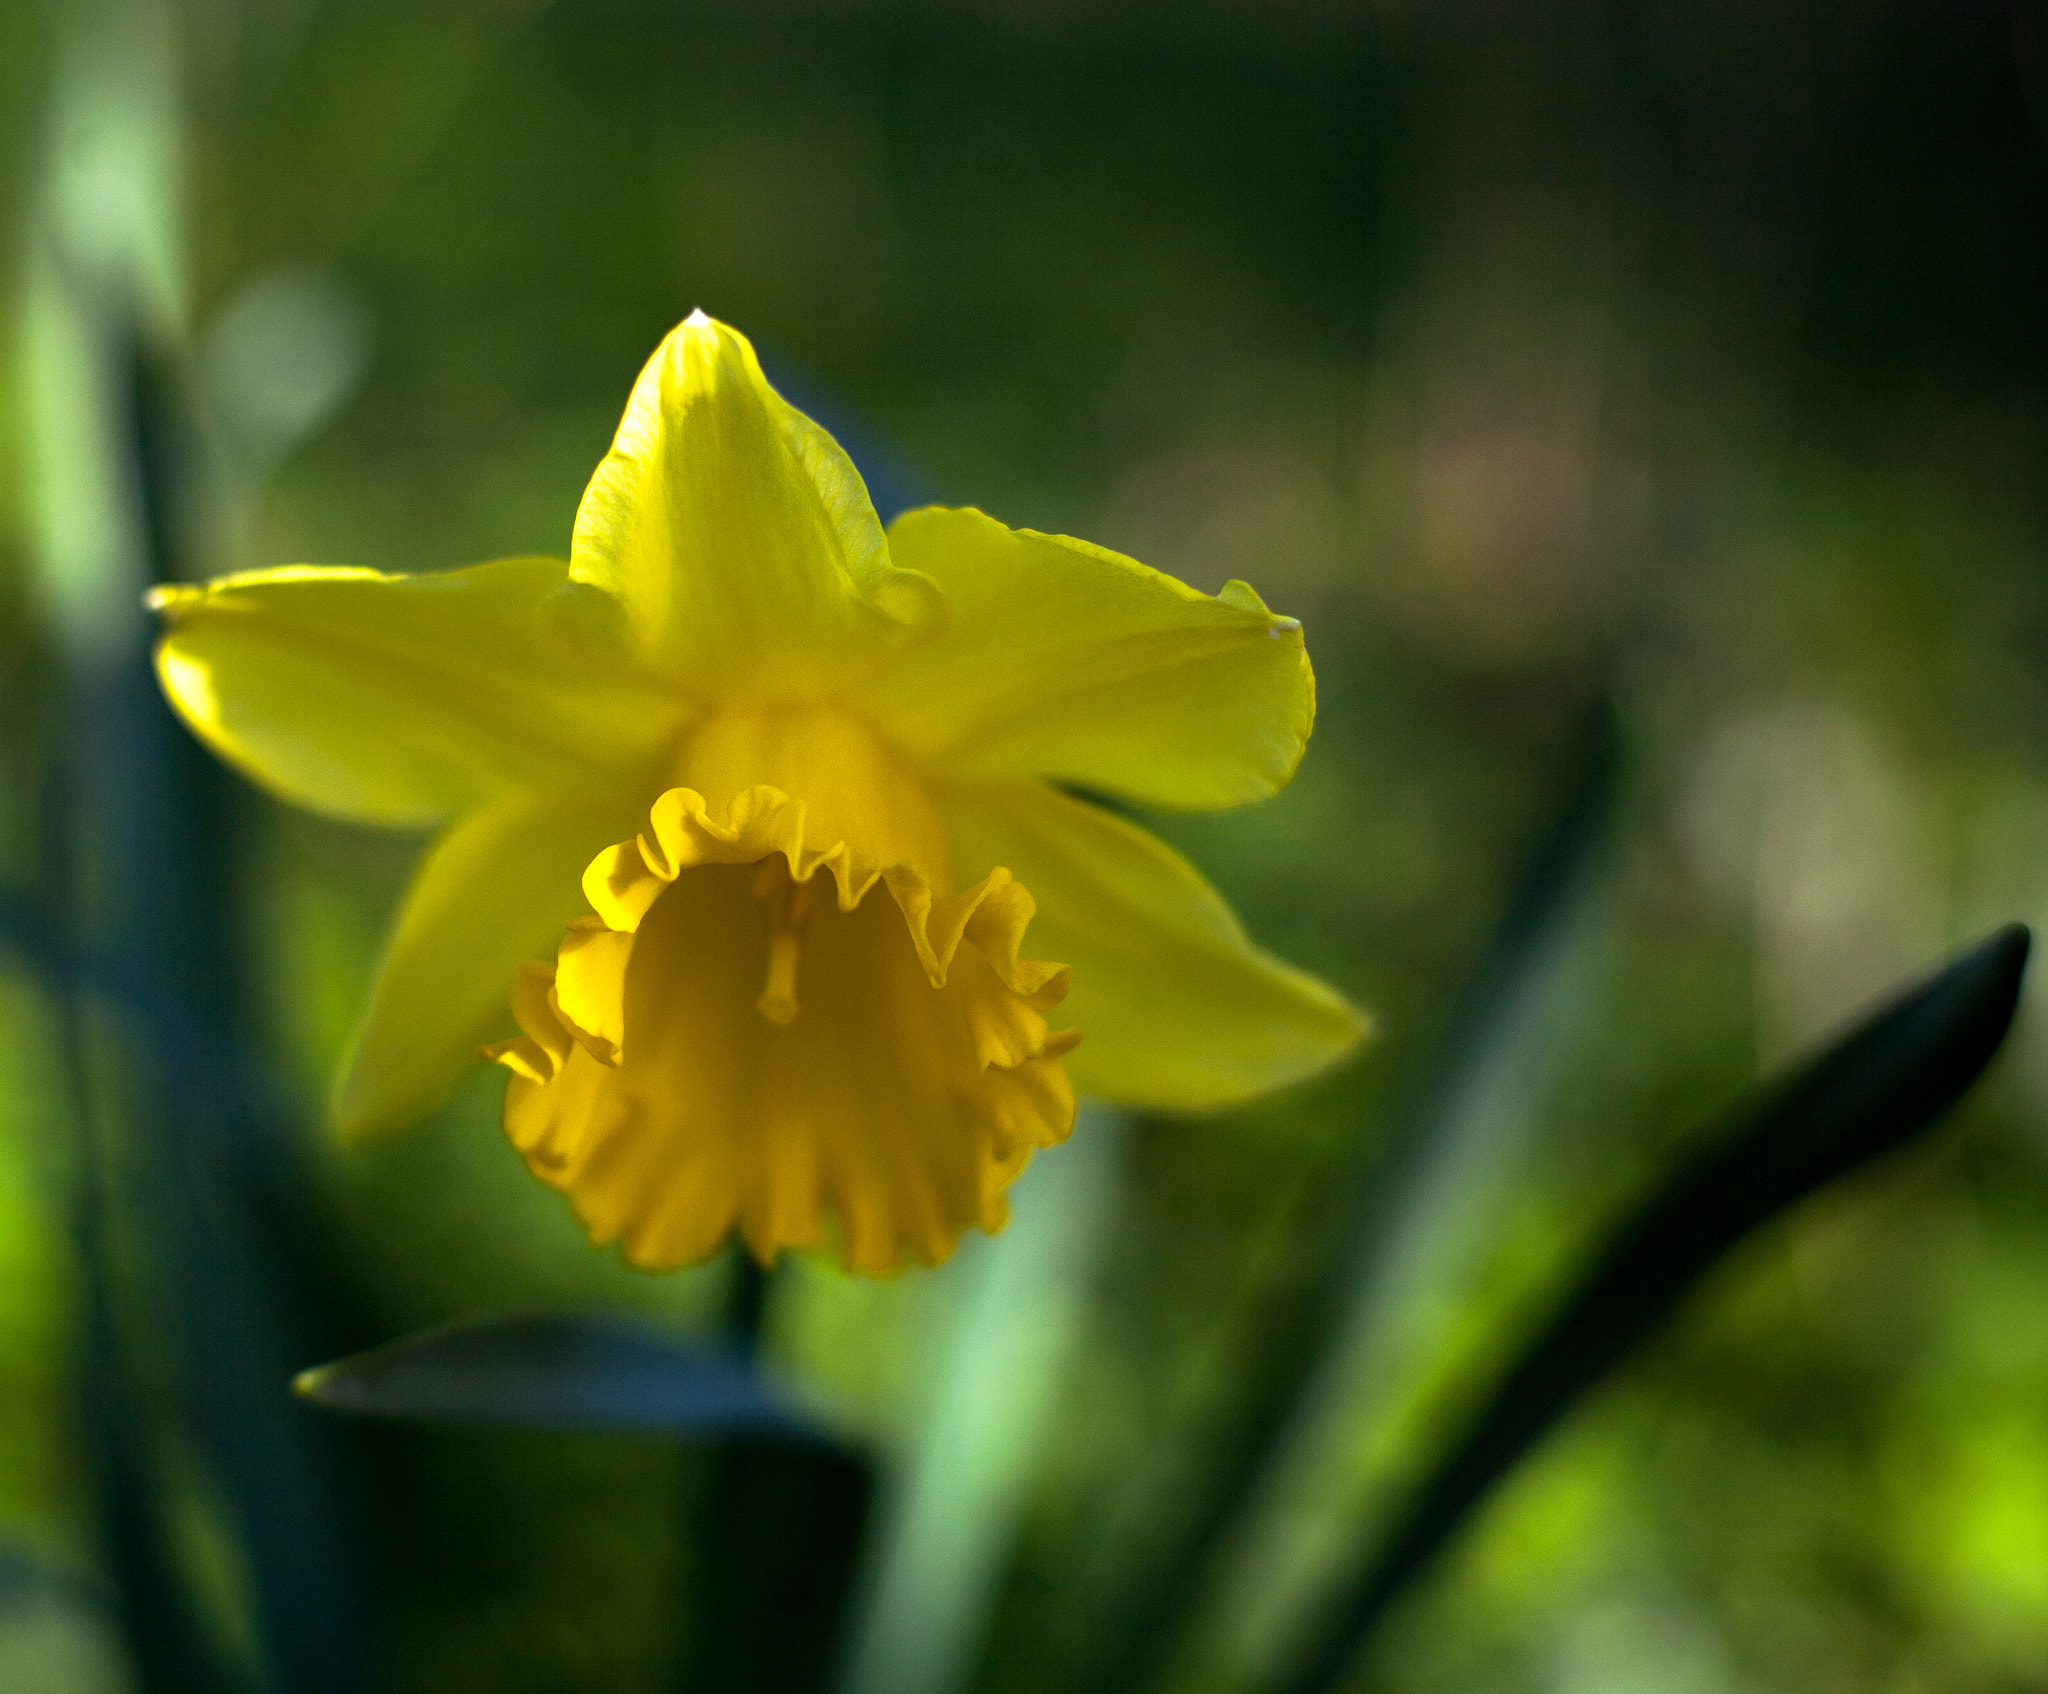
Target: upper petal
(1072,663)
(404,699)
(494,890)
(737,535)
(1182,1010)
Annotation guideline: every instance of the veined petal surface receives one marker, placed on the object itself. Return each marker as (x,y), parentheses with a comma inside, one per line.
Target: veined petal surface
(403,700)
(1182,1010)
(494,890)
(1069,662)
(737,534)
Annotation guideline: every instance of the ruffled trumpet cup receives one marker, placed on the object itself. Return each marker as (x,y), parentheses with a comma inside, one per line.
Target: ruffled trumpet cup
(777,790)
(727,1043)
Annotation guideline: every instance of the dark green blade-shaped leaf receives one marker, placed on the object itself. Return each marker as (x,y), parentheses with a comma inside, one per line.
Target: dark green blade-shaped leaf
(1885,1081)
(588,1372)
(785,1520)
(180,1154)
(1299,1336)
(26,1579)
(784,1526)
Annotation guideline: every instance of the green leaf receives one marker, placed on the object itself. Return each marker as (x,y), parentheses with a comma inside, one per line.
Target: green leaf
(1888,1079)
(561,1371)
(1387,1200)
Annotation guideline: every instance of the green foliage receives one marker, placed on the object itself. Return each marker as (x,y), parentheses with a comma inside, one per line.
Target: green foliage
(1679,356)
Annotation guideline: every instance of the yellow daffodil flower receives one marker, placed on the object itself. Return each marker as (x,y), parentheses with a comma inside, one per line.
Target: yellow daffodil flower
(803,774)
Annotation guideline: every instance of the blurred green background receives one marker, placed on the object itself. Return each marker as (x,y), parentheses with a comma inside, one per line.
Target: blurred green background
(1683,356)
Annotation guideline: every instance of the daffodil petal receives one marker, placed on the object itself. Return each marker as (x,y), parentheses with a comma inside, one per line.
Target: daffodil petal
(404,700)
(1182,1011)
(1072,663)
(738,537)
(495,889)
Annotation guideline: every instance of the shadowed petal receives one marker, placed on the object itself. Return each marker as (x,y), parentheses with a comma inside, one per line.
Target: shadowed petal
(1181,1010)
(494,890)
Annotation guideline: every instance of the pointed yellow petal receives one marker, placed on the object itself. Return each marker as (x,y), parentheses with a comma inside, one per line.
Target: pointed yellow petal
(1075,664)
(1181,1010)
(496,889)
(404,700)
(737,535)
